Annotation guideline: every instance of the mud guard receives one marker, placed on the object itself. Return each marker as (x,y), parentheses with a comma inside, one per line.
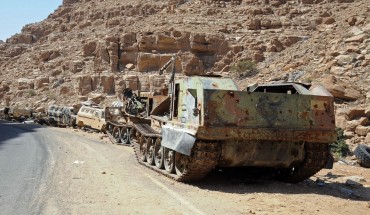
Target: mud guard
(177,139)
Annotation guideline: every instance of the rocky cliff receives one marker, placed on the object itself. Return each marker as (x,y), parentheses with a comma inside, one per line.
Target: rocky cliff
(92,49)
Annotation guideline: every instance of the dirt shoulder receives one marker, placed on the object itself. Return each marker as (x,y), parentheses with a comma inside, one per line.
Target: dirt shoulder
(93,176)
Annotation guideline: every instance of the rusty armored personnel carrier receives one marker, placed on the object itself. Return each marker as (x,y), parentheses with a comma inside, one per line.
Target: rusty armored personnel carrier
(206,122)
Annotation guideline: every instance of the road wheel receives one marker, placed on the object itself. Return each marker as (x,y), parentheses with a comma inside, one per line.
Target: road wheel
(181,164)
(362,153)
(158,154)
(143,148)
(125,136)
(116,134)
(169,160)
(150,151)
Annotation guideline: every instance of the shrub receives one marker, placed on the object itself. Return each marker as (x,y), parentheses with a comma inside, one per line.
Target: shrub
(32,93)
(244,66)
(339,148)
(51,96)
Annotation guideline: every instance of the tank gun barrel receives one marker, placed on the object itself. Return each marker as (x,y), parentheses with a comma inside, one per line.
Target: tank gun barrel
(165,66)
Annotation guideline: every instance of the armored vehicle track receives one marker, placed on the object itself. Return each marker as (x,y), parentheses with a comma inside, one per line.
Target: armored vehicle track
(179,167)
(316,158)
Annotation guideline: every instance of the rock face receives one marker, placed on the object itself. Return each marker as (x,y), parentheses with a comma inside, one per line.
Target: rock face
(94,47)
(339,89)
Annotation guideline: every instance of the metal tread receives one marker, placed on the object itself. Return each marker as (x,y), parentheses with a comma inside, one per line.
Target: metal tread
(146,130)
(204,158)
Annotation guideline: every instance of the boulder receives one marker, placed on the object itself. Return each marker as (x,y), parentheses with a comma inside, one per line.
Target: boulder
(96,98)
(340,122)
(288,41)
(40,110)
(130,66)
(84,84)
(367,138)
(336,70)
(148,62)
(41,82)
(64,90)
(358,38)
(45,55)
(24,83)
(128,41)
(14,51)
(89,49)
(108,83)
(83,98)
(352,125)
(128,58)
(367,112)
(21,39)
(340,90)
(254,24)
(364,121)
(355,113)
(75,66)
(192,65)
(344,59)
(353,49)
(328,20)
(131,81)
(362,130)
(112,23)
(166,43)
(147,43)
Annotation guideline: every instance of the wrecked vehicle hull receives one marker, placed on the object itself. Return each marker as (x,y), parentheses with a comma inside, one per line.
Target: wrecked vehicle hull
(212,124)
(91,117)
(60,116)
(15,114)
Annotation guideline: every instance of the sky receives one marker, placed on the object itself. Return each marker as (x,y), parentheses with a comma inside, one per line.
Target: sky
(14,14)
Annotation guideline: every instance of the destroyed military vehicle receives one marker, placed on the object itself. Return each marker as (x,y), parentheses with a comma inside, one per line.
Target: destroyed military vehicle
(15,114)
(61,115)
(202,123)
(91,117)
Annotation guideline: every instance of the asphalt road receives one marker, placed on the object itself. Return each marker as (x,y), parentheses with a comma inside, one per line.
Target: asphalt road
(24,161)
(46,170)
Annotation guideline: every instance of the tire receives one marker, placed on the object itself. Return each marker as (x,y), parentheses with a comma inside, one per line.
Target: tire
(362,153)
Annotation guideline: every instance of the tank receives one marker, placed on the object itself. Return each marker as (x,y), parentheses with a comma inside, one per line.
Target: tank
(134,109)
